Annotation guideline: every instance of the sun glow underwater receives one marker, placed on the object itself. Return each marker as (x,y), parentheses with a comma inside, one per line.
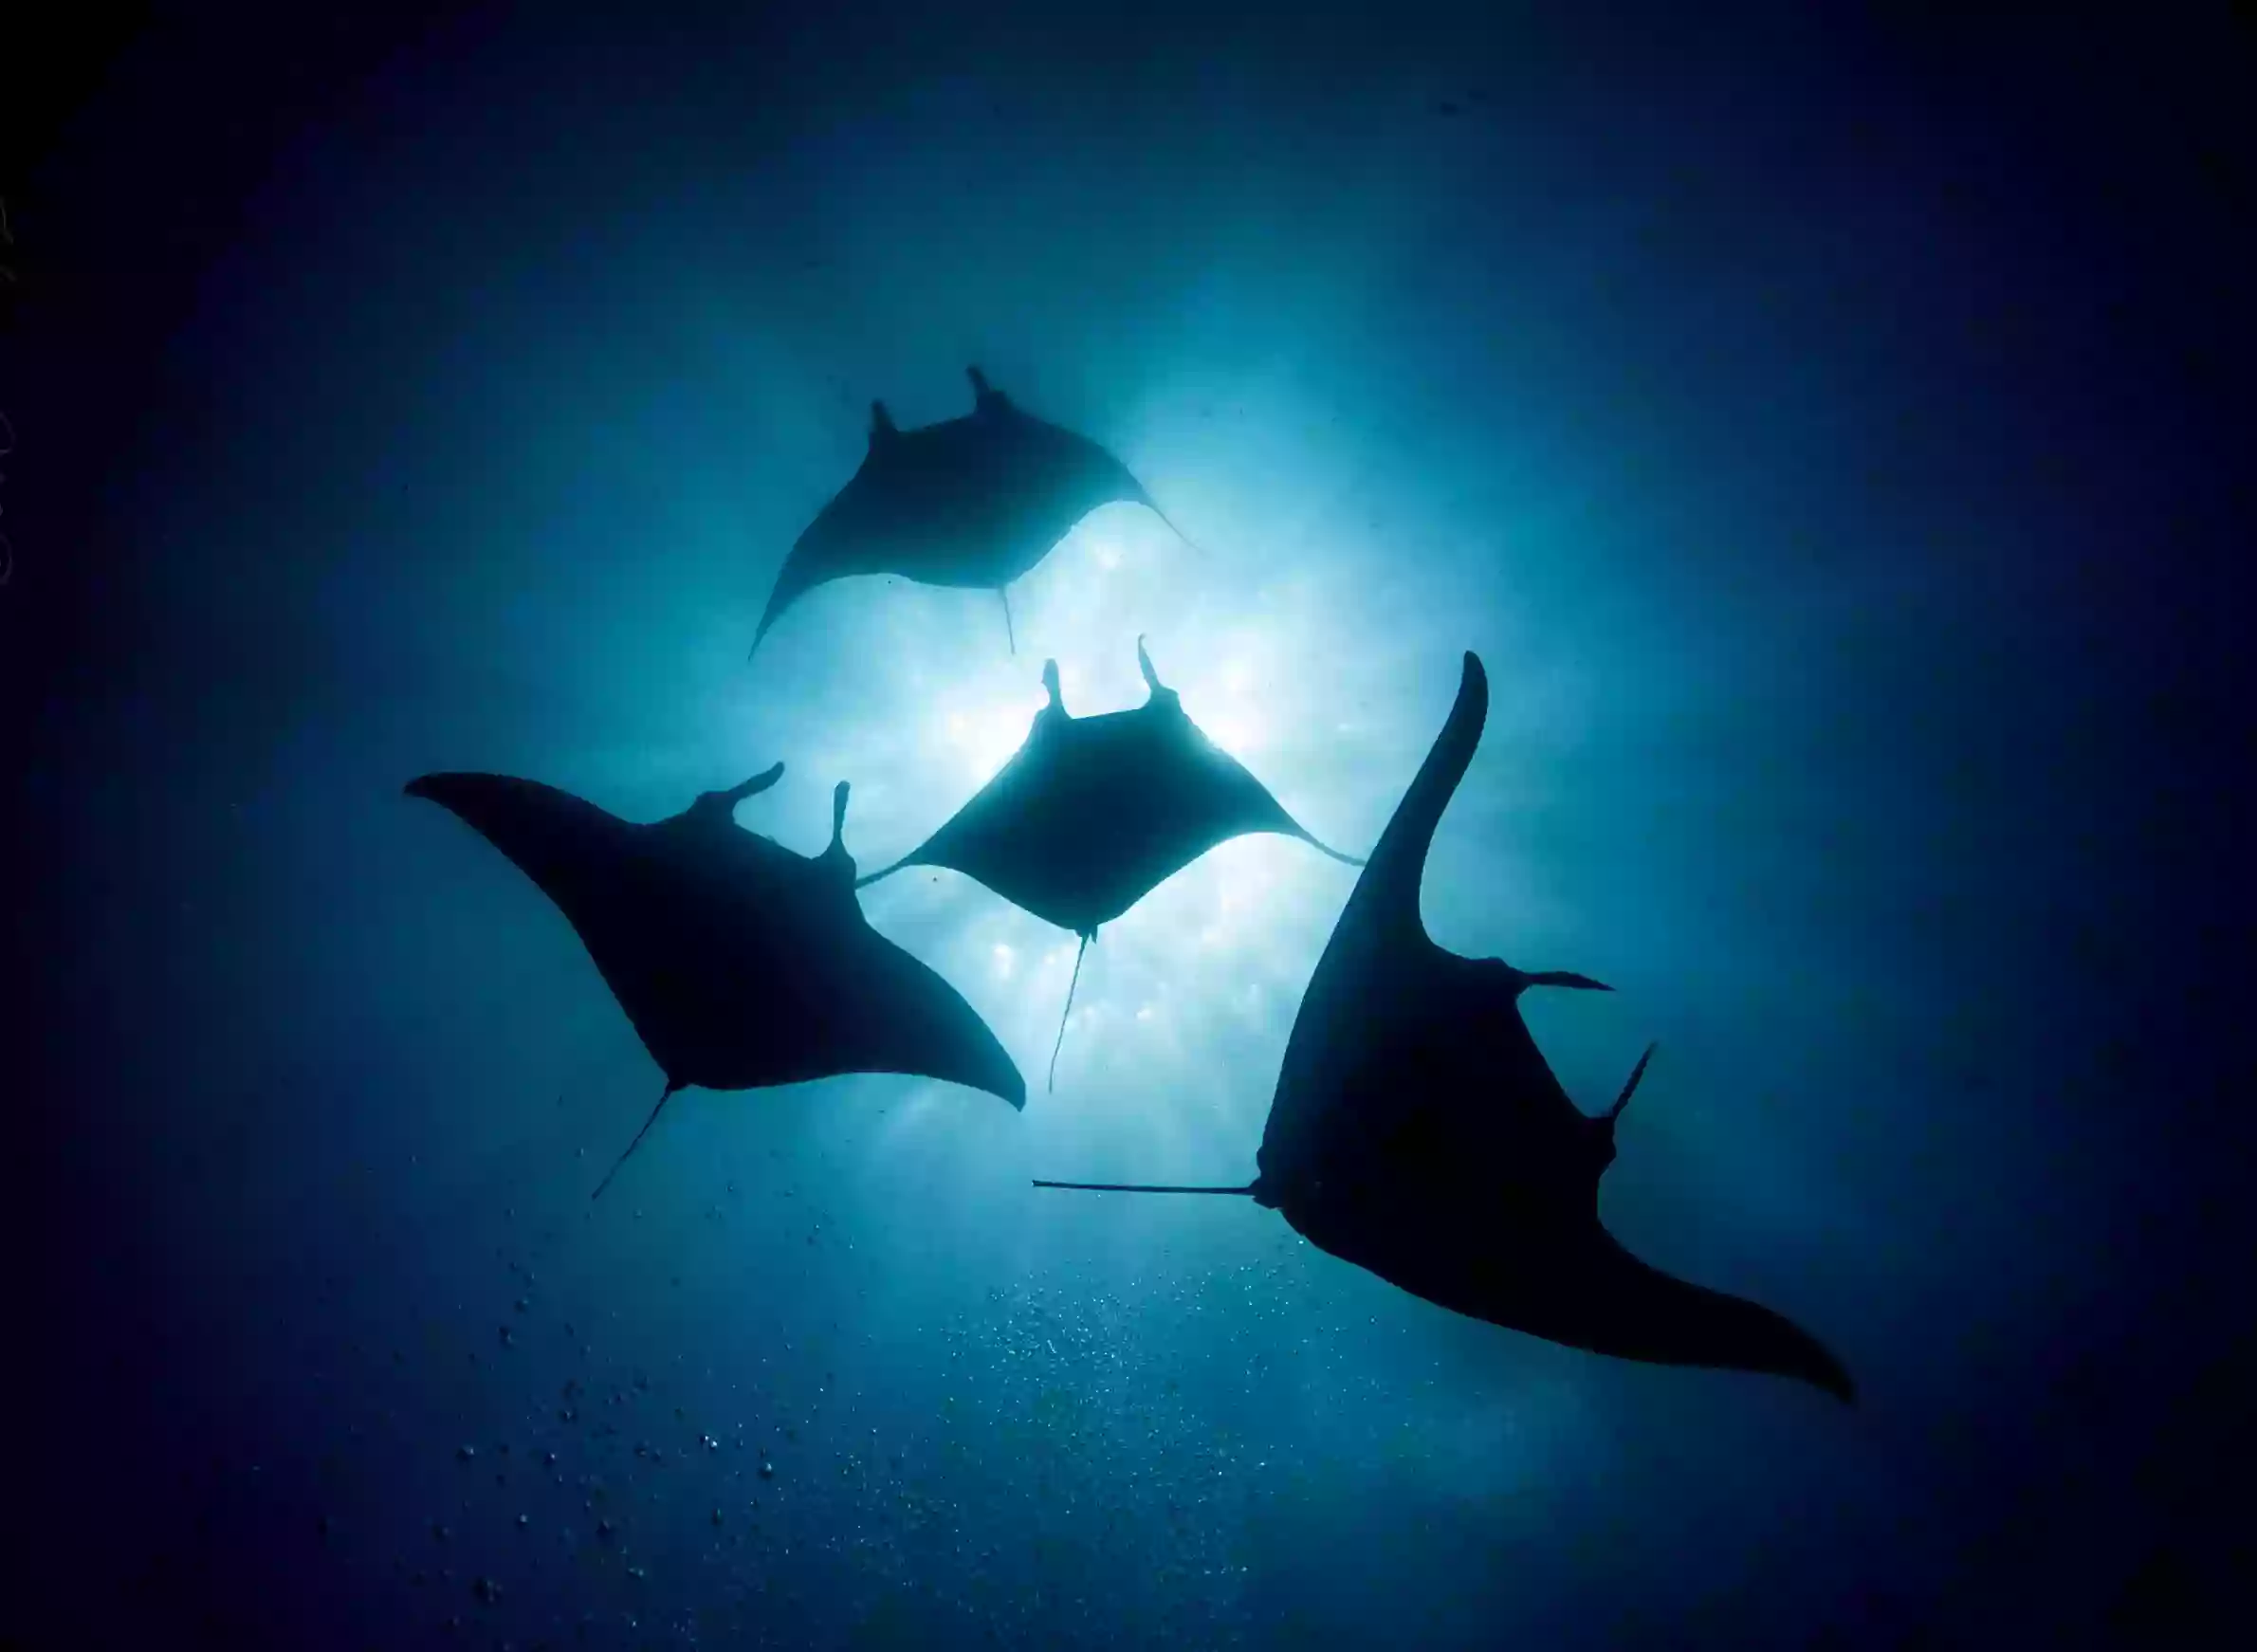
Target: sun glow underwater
(1415,1129)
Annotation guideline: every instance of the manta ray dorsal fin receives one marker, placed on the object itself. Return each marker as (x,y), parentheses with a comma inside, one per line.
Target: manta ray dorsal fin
(1050,683)
(882,428)
(1387,893)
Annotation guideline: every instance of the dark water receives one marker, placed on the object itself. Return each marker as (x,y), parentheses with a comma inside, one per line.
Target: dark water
(1821,433)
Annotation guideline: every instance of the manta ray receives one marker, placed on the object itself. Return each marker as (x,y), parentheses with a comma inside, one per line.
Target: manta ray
(1416,1131)
(1091,813)
(972,503)
(740,963)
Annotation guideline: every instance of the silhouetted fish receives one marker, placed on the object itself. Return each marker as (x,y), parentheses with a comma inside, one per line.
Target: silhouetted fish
(1093,814)
(1418,1131)
(971,502)
(740,963)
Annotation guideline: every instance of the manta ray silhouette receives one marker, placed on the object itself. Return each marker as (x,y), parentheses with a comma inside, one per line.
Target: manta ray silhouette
(740,963)
(971,502)
(1418,1131)
(1091,813)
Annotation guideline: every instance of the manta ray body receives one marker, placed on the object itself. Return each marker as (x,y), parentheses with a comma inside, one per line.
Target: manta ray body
(972,503)
(1418,1131)
(1091,813)
(740,963)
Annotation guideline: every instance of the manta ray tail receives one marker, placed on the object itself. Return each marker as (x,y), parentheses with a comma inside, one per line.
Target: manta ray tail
(1078,953)
(1246,1191)
(1010,632)
(664,1096)
(1329,852)
(908,859)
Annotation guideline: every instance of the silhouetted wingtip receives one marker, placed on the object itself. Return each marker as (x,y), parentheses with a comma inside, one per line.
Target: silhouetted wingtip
(433,788)
(1470,711)
(776,609)
(1818,1366)
(1006,1083)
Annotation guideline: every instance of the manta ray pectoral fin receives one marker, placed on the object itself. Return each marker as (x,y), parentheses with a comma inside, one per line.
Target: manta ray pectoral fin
(790,585)
(1386,897)
(1635,1311)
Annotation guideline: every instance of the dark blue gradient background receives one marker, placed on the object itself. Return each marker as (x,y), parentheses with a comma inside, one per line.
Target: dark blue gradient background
(1825,428)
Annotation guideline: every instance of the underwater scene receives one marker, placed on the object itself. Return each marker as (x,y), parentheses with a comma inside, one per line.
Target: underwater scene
(1061,827)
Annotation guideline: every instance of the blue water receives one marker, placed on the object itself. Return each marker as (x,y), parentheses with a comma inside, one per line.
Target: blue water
(1807,427)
